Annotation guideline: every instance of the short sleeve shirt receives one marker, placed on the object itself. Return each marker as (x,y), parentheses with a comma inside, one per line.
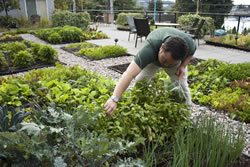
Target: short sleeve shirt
(149,53)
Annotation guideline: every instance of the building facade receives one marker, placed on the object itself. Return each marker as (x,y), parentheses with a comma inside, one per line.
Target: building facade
(43,8)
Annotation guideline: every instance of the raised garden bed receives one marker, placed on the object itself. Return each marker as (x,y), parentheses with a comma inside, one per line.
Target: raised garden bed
(108,51)
(122,67)
(23,56)
(227,46)
(10,38)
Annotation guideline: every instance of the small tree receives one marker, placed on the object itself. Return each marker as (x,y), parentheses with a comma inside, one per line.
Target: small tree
(7,5)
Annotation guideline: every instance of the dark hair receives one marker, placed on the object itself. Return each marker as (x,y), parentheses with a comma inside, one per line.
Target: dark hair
(177,46)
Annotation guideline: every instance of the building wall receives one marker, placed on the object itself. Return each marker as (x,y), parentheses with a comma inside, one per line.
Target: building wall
(51,7)
(17,12)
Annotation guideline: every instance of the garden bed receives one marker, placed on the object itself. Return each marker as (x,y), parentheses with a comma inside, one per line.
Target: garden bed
(12,70)
(122,67)
(227,46)
(76,50)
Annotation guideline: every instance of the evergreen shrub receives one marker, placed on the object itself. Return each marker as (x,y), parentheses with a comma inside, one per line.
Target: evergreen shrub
(23,59)
(47,54)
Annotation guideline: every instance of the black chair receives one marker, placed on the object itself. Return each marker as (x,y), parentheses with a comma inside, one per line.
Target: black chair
(131,24)
(196,34)
(192,27)
(142,29)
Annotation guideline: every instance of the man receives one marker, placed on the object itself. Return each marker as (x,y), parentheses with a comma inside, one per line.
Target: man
(166,48)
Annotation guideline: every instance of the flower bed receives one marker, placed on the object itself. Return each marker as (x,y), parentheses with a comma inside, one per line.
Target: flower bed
(22,56)
(93,52)
(10,38)
(243,42)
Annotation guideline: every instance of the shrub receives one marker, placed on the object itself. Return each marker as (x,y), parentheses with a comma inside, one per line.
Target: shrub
(81,45)
(35,47)
(71,34)
(187,20)
(47,54)
(44,22)
(44,33)
(13,48)
(103,51)
(8,21)
(23,59)
(122,20)
(3,62)
(63,18)
(55,38)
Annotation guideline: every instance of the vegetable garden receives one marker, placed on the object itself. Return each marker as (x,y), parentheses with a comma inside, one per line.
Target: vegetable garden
(55,116)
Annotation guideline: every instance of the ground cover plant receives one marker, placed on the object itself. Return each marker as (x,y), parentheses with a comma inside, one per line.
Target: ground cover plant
(66,124)
(10,38)
(243,41)
(68,34)
(16,56)
(223,86)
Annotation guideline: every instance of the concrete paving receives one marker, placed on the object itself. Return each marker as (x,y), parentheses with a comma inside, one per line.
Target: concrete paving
(203,51)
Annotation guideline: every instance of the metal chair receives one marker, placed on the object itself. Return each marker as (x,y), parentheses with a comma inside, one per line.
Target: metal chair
(192,27)
(196,34)
(131,24)
(142,29)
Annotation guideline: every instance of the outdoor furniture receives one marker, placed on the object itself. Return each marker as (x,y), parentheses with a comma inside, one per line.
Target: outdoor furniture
(131,24)
(35,19)
(142,28)
(196,34)
(166,24)
(192,27)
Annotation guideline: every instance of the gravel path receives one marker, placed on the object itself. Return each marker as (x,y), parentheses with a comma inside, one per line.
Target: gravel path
(100,67)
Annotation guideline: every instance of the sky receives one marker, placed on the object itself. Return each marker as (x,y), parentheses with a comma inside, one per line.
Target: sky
(241,2)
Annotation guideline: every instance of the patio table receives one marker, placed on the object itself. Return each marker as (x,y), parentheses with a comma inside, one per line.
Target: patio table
(166,24)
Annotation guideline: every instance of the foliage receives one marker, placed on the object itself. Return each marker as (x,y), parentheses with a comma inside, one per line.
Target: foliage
(8,5)
(208,27)
(13,47)
(70,34)
(242,41)
(47,54)
(103,51)
(55,38)
(81,45)
(122,20)
(63,18)
(207,144)
(3,62)
(23,59)
(94,34)
(212,6)
(159,5)
(18,31)
(8,37)
(11,124)
(210,78)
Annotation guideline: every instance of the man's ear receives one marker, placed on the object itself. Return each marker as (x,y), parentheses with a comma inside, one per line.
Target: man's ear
(162,46)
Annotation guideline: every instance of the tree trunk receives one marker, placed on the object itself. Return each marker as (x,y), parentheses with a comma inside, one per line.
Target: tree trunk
(5,7)
(74,6)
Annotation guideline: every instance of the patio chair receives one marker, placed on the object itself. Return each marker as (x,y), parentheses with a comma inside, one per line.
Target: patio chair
(131,24)
(142,29)
(196,34)
(192,27)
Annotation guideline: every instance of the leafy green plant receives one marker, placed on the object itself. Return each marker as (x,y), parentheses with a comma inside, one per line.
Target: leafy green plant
(11,124)
(47,54)
(121,20)
(70,34)
(81,45)
(102,52)
(207,144)
(13,48)
(55,38)
(208,28)
(3,62)
(23,59)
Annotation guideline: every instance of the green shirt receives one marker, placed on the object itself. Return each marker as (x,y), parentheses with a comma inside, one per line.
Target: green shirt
(149,53)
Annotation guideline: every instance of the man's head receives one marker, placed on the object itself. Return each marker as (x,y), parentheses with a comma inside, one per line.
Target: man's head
(172,51)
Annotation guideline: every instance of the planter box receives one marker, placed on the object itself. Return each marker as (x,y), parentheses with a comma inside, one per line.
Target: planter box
(227,46)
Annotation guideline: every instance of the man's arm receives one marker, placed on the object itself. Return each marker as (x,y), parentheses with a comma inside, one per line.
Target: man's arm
(132,71)
(184,63)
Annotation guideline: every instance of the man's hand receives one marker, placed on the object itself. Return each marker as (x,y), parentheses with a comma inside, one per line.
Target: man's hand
(180,72)
(110,107)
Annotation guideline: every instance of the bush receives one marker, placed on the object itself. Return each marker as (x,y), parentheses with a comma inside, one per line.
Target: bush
(71,34)
(208,27)
(103,51)
(8,21)
(63,18)
(35,47)
(3,62)
(122,20)
(47,54)
(55,38)
(13,48)
(23,59)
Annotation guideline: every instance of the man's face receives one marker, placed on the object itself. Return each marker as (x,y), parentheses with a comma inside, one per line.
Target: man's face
(166,59)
